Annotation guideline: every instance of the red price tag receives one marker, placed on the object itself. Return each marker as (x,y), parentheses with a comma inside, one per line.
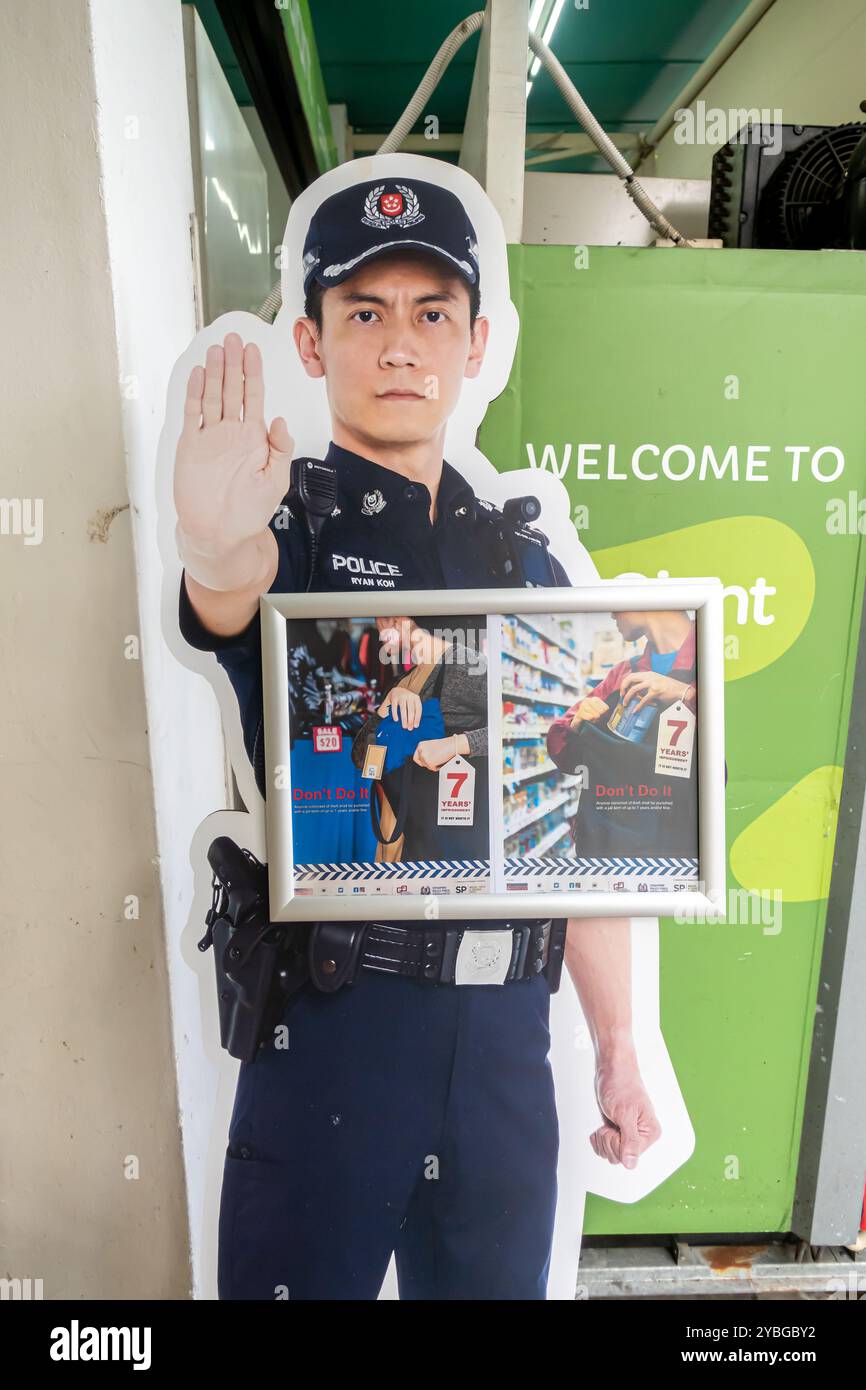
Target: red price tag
(327,738)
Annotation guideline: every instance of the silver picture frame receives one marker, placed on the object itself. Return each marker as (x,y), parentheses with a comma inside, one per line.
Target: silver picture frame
(702,596)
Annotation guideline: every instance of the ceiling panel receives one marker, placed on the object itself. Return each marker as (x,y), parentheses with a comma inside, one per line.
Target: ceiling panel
(628,58)
(373,56)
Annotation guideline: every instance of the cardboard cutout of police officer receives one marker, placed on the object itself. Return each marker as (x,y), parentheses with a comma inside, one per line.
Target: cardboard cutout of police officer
(410,1116)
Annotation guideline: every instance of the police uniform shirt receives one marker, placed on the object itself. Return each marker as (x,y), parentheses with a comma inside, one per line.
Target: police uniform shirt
(379,539)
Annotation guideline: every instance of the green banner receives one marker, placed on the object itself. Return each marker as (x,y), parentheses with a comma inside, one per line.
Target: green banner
(301,43)
(704,410)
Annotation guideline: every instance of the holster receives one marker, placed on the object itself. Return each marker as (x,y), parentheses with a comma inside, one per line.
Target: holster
(259,964)
(555,953)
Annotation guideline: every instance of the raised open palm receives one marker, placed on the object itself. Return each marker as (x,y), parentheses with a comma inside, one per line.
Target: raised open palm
(230,471)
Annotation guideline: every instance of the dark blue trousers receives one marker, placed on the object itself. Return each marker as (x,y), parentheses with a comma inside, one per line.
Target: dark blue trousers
(401,1118)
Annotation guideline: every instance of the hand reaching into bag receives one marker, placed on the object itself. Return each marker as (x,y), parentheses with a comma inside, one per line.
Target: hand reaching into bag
(590,709)
(650,685)
(404,707)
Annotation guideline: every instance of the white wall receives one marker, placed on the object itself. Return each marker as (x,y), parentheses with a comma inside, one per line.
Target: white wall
(595,210)
(805,58)
(147,189)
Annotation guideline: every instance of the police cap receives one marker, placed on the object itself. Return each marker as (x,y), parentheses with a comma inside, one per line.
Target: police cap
(370,219)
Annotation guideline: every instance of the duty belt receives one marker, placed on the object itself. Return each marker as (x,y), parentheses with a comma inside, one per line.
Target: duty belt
(438,955)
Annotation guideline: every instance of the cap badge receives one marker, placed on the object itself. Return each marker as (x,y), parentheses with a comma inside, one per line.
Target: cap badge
(384,210)
(373,503)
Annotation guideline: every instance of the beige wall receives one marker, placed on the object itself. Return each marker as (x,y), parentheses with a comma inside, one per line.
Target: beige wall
(805,58)
(88,1076)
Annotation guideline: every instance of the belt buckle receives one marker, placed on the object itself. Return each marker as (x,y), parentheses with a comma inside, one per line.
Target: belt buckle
(483,957)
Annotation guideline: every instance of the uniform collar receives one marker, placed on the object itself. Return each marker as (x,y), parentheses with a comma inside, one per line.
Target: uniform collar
(373,488)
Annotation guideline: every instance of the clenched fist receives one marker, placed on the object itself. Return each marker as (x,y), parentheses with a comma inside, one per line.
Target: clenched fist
(230,472)
(630,1123)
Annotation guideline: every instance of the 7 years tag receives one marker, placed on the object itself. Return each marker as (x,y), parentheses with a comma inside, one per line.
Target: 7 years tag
(456,792)
(675,741)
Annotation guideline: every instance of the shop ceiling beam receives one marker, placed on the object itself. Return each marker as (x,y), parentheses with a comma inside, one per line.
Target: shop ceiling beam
(413,144)
(708,69)
(548,149)
(495,128)
(544,145)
